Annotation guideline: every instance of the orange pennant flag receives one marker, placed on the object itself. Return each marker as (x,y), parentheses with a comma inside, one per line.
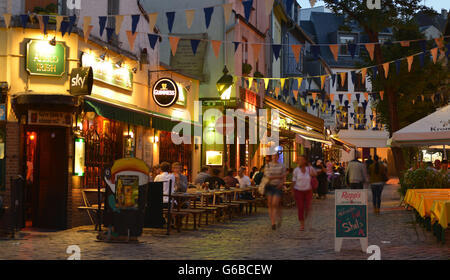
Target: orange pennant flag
(7,18)
(41,23)
(343,75)
(87,31)
(434,54)
(439,42)
(410,62)
(386,69)
(131,38)
(174,44)
(382,95)
(256,49)
(277,91)
(404,43)
(314,95)
(322,81)
(295,92)
(366,95)
(349,96)
(216,47)
(370,48)
(332,96)
(363,75)
(296,50)
(335,51)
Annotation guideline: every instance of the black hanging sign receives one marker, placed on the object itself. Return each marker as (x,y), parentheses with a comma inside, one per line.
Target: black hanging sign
(165,92)
(81,81)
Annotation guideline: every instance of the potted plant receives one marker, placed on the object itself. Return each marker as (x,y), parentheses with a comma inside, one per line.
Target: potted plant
(246,69)
(258,74)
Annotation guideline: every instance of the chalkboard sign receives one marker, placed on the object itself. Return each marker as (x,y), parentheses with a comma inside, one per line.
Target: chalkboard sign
(351,221)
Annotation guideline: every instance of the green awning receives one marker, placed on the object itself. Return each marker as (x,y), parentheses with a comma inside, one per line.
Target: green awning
(117,113)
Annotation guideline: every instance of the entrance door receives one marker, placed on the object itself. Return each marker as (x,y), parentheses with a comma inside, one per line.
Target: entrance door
(49,172)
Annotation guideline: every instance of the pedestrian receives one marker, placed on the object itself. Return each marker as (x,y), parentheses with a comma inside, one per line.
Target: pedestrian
(356,173)
(166,178)
(321,174)
(378,177)
(302,189)
(181,181)
(368,162)
(275,172)
(202,175)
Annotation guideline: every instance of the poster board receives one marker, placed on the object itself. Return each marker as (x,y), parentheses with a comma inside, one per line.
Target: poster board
(351,217)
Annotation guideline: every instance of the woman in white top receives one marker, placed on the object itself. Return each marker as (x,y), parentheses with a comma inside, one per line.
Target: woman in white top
(302,188)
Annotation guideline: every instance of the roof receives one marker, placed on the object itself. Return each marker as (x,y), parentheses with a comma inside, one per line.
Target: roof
(437,20)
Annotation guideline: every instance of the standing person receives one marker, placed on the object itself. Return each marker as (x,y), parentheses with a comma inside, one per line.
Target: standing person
(302,189)
(368,162)
(166,177)
(202,175)
(356,174)
(322,178)
(378,177)
(276,174)
(181,181)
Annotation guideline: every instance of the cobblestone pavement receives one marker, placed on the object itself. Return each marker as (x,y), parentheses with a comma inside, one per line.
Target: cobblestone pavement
(247,238)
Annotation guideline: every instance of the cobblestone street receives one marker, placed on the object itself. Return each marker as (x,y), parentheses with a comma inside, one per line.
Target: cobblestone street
(247,238)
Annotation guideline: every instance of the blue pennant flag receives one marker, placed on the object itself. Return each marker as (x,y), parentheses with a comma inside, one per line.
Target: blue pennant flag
(352,49)
(340,98)
(109,33)
(397,65)
(24,20)
(152,38)
(236,45)
(329,103)
(208,13)
(247,8)
(421,59)
(423,45)
(311,102)
(289,6)
(102,24)
(315,51)
(170,19)
(64,27)
(371,117)
(276,48)
(358,95)
(45,20)
(353,75)
(352,115)
(72,20)
(333,111)
(374,71)
(387,43)
(134,22)
(194,45)
(346,103)
(332,106)
(333,78)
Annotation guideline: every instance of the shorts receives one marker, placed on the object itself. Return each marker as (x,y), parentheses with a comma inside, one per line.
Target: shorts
(272,190)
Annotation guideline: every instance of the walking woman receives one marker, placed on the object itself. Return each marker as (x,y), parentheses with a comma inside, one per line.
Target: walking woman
(275,172)
(303,193)
(377,176)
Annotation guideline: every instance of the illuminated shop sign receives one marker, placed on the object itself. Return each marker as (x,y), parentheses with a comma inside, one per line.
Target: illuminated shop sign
(44,59)
(165,92)
(79,161)
(214,158)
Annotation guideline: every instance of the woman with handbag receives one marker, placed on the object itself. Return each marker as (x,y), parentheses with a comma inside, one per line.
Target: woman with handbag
(304,181)
(377,177)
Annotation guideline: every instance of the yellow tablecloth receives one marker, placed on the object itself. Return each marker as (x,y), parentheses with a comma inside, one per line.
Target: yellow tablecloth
(440,212)
(412,196)
(426,200)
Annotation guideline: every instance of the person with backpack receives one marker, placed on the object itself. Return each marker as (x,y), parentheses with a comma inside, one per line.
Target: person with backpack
(377,178)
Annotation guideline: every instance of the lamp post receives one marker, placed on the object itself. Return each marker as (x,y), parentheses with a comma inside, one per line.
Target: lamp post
(224,86)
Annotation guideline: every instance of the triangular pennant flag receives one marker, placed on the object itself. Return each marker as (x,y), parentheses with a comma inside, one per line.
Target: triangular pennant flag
(370,47)
(152,19)
(363,75)
(277,91)
(86,24)
(410,60)
(299,83)
(174,44)
(296,49)
(194,45)
(236,45)
(64,27)
(352,49)
(386,69)
(295,92)
(312,3)
(41,23)
(358,96)
(250,82)
(266,83)
(423,45)
(152,38)
(208,13)
(72,20)
(227,9)
(102,24)
(374,72)
(216,47)
(341,96)
(422,97)
(109,33)
(331,96)
(134,22)
(7,18)
(349,96)
(282,80)
(24,20)
(422,59)
(276,48)
(432,98)
(366,96)
(314,95)
(381,95)
(315,49)
(269,6)
(170,20)
(439,42)
(59,20)
(335,51)
(131,38)
(434,54)
(247,8)
(404,43)
(333,79)
(343,75)
(45,19)
(353,75)
(413,101)
(118,23)
(322,81)
(397,66)
(189,17)
(87,32)
(256,50)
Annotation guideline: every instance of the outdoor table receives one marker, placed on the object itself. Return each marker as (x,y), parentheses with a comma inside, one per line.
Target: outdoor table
(412,195)
(426,201)
(179,197)
(440,212)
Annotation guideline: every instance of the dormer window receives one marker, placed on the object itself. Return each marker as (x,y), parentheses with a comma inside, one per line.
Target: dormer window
(345,39)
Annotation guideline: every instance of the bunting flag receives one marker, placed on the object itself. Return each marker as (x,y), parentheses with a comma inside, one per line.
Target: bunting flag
(410,61)
(174,44)
(170,20)
(366,96)
(152,18)
(335,51)
(322,81)
(432,98)
(439,42)
(64,27)
(194,45)
(102,24)
(276,48)
(152,38)
(86,23)
(134,22)
(227,9)
(332,96)
(216,47)
(374,72)
(7,18)
(59,20)
(422,59)
(282,80)
(269,6)
(352,49)
(86,32)
(190,14)
(277,91)
(370,47)
(315,49)
(208,13)
(299,83)
(397,66)
(250,82)
(333,79)
(118,23)
(422,97)
(24,20)
(363,75)
(341,96)
(236,45)
(381,95)
(386,69)
(423,45)
(41,23)
(131,38)
(358,96)
(434,54)
(247,8)
(109,33)
(349,96)
(296,49)
(295,92)
(404,43)
(72,20)
(256,49)
(266,83)
(312,3)
(353,75)
(314,95)
(343,75)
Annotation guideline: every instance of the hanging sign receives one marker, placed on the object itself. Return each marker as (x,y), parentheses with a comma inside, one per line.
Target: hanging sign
(81,81)
(351,217)
(44,59)
(165,92)
(49,118)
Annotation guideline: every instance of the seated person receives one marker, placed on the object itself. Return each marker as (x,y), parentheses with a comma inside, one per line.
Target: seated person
(258,176)
(230,181)
(202,175)
(215,182)
(244,182)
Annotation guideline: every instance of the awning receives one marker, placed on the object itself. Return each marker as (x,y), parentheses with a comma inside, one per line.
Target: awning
(341,143)
(311,135)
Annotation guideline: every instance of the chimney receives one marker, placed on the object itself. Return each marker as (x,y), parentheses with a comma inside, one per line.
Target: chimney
(444,13)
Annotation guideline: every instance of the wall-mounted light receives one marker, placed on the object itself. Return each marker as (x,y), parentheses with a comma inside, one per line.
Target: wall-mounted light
(134,70)
(52,41)
(119,63)
(103,56)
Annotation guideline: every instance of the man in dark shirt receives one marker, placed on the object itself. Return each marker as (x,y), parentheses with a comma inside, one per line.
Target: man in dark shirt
(215,182)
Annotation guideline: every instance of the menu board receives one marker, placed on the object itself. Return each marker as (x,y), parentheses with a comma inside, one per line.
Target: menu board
(351,221)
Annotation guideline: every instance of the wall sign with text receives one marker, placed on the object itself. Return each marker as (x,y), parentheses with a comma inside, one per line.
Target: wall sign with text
(49,118)
(44,59)
(81,81)
(165,92)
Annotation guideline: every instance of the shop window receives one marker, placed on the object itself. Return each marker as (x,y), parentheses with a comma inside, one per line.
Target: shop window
(171,153)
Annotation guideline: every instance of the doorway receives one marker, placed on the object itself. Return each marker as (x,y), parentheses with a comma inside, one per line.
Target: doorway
(46,176)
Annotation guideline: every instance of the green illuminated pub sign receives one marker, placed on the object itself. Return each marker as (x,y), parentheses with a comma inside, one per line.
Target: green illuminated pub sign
(44,59)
